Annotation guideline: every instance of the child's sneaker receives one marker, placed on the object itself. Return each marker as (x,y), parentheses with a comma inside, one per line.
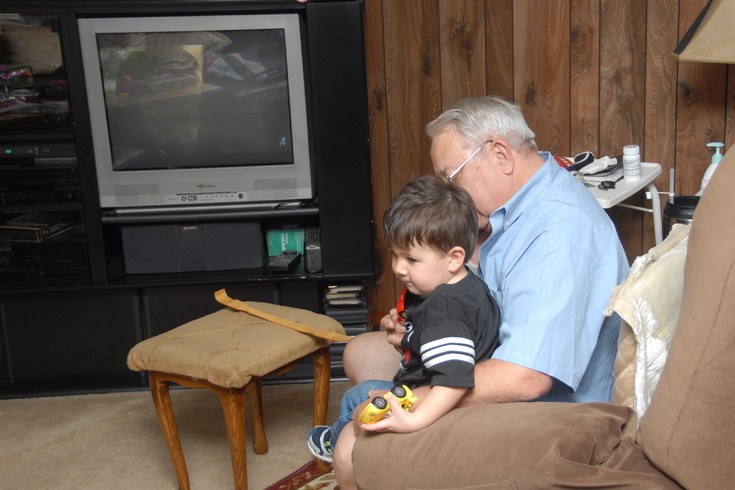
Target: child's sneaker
(319,441)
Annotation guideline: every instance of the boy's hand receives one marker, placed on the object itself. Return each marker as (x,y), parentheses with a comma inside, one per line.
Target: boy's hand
(361,407)
(399,421)
(395,328)
(431,404)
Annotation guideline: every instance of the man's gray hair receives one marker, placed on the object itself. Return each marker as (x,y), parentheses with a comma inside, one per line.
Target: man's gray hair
(481,118)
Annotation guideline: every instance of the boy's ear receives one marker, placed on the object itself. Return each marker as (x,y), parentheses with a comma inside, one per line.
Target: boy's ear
(456,258)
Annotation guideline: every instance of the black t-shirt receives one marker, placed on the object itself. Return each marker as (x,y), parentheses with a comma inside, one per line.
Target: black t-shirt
(448,330)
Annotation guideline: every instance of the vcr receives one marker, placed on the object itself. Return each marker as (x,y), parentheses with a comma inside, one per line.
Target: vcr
(38,173)
(37,155)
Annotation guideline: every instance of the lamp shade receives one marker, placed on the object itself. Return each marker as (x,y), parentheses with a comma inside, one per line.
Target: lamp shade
(711,38)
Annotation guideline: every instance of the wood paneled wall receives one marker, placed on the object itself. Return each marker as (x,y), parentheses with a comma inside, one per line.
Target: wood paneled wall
(588,74)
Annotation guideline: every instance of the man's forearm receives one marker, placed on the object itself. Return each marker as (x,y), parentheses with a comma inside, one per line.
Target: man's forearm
(500,382)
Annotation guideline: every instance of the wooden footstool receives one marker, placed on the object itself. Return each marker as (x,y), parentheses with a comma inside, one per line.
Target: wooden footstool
(229,352)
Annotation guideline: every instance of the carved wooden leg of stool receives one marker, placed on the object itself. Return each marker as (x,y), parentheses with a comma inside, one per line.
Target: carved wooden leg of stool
(233,406)
(322,375)
(162,402)
(260,442)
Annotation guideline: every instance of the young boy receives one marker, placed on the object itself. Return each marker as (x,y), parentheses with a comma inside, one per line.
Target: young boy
(451,318)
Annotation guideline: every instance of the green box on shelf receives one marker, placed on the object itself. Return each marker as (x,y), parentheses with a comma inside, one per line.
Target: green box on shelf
(285,239)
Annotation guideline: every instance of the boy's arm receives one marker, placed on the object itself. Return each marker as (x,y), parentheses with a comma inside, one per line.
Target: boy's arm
(439,401)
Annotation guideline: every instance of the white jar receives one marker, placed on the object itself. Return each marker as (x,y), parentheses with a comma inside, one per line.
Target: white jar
(631,162)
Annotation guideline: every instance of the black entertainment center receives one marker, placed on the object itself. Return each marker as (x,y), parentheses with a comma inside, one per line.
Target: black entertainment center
(155,152)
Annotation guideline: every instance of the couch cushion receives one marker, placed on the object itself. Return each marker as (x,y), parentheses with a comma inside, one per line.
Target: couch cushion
(687,430)
(648,301)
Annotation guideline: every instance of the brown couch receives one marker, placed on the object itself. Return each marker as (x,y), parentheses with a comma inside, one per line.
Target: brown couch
(685,438)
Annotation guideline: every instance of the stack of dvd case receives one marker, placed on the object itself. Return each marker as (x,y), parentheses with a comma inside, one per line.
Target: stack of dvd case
(347,304)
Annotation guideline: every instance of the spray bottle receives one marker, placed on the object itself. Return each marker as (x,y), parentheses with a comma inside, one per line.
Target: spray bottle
(716,157)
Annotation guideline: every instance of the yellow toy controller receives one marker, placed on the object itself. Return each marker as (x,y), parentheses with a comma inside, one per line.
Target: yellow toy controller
(379,407)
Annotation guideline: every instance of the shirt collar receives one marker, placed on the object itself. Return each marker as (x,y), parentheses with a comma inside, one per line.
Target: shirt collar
(504,216)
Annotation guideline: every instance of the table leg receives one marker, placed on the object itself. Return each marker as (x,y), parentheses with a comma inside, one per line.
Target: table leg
(656,205)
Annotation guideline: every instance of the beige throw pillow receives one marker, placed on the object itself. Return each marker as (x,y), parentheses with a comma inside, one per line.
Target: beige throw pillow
(648,301)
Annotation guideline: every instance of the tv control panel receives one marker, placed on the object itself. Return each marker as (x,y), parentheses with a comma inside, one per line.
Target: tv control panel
(206,197)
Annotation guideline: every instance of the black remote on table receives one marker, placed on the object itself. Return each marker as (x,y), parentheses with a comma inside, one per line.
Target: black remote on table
(284,261)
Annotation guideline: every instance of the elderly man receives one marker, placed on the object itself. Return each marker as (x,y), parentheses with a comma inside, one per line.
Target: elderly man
(551,259)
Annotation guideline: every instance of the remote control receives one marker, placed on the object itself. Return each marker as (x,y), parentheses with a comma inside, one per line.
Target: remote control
(311,235)
(284,261)
(312,251)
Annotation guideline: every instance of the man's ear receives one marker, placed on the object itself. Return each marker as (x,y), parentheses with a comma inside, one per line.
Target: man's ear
(456,258)
(504,155)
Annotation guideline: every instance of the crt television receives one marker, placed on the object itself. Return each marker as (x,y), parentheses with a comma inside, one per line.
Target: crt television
(198,111)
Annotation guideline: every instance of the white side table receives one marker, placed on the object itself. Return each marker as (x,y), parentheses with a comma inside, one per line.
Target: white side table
(626,188)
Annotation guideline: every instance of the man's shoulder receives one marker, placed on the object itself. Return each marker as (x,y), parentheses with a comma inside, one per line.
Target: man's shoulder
(564,207)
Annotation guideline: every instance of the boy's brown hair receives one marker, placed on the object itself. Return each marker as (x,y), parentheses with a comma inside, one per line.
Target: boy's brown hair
(432,211)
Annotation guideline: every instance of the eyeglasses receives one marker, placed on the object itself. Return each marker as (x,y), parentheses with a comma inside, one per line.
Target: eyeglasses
(454,174)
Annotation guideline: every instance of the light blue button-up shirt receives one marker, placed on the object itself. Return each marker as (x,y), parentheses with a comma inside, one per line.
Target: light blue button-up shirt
(551,263)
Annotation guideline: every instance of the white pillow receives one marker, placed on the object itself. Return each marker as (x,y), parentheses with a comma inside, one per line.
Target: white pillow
(649,301)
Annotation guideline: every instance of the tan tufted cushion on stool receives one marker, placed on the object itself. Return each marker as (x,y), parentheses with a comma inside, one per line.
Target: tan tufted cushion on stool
(229,347)
(229,352)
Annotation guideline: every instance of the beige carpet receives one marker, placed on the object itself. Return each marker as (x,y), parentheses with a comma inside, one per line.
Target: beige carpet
(113,441)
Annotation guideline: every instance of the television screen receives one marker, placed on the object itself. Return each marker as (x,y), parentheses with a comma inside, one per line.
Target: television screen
(197,110)
(176,99)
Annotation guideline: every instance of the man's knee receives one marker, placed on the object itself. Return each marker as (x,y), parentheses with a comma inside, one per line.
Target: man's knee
(343,471)
(370,356)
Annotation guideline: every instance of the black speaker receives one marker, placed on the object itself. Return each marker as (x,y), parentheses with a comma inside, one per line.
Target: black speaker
(185,247)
